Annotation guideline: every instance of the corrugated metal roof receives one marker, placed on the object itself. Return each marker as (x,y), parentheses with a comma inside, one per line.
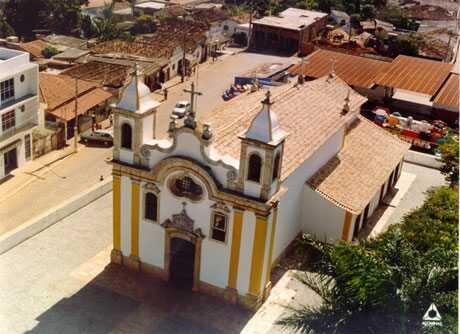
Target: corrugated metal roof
(448,95)
(354,70)
(415,74)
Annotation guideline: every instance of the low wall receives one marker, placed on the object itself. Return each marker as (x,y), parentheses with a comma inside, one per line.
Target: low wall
(52,216)
(422,159)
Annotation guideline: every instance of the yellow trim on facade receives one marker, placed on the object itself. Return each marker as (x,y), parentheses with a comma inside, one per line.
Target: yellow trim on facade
(116,185)
(272,243)
(235,251)
(258,250)
(135,190)
(346,226)
(344,135)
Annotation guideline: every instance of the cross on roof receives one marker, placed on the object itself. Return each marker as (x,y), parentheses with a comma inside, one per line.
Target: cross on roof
(192,92)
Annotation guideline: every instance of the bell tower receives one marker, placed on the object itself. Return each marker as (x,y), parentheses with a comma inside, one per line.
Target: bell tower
(261,154)
(134,121)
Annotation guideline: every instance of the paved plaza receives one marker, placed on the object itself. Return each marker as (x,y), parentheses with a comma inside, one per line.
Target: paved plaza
(60,282)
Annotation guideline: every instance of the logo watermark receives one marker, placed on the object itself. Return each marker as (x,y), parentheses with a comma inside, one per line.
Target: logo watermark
(432,317)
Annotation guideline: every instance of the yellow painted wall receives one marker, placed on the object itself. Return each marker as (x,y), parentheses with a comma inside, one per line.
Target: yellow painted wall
(135,190)
(346,226)
(235,251)
(272,242)
(258,250)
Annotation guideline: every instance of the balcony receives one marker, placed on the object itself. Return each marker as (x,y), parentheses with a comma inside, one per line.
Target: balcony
(13,103)
(25,125)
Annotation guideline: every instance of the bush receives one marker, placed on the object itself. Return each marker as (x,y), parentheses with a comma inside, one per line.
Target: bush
(144,25)
(385,285)
(49,51)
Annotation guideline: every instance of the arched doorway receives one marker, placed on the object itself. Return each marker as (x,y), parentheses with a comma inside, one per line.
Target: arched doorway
(182,263)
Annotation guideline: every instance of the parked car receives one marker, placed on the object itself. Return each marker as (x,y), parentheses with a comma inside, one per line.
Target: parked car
(98,136)
(181,108)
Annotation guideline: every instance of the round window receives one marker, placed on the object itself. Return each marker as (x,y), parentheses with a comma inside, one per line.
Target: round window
(22,78)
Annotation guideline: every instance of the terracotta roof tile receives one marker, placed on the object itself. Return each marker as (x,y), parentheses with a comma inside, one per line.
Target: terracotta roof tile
(415,74)
(355,175)
(89,100)
(310,113)
(58,89)
(103,73)
(354,70)
(34,47)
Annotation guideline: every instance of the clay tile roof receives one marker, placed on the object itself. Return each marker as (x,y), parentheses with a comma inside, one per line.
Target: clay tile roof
(310,114)
(55,90)
(365,162)
(415,74)
(449,93)
(103,73)
(34,47)
(89,100)
(354,70)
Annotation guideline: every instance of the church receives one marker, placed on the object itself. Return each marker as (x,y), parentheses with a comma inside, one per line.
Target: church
(214,203)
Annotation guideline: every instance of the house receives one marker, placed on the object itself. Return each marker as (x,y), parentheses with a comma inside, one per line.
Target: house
(215,203)
(149,7)
(358,72)
(411,83)
(18,108)
(288,32)
(177,45)
(58,93)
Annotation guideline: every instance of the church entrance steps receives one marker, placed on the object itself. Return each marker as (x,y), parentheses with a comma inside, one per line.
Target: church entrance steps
(53,215)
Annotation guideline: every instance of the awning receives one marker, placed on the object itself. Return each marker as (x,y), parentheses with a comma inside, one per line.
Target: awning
(86,102)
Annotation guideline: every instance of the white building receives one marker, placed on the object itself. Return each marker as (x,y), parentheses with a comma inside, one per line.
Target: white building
(218,203)
(18,108)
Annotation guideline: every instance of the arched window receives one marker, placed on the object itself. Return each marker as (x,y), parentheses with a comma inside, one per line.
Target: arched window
(276,166)
(126,136)
(254,168)
(151,207)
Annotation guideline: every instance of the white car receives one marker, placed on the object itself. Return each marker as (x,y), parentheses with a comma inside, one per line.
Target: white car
(181,108)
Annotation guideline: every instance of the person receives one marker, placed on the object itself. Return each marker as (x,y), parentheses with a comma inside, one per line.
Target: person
(165,92)
(111,120)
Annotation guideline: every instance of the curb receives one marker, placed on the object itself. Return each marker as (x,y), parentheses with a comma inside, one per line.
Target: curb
(35,225)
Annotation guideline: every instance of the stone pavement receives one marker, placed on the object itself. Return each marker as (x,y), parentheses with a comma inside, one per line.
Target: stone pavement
(59,282)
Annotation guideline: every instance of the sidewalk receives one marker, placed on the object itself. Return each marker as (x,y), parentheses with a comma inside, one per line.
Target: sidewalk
(49,181)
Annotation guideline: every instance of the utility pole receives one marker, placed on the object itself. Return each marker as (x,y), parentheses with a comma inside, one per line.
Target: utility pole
(75,124)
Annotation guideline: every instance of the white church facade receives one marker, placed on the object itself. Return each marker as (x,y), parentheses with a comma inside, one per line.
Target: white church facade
(218,203)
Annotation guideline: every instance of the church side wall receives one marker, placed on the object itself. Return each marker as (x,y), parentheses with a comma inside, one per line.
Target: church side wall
(125,216)
(321,218)
(291,219)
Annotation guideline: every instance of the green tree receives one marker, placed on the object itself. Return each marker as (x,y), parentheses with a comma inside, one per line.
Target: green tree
(449,158)
(87,26)
(385,285)
(144,25)
(5,29)
(49,51)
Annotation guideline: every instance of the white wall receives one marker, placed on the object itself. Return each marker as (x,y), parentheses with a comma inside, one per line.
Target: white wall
(125,215)
(244,265)
(290,215)
(320,217)
(215,255)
